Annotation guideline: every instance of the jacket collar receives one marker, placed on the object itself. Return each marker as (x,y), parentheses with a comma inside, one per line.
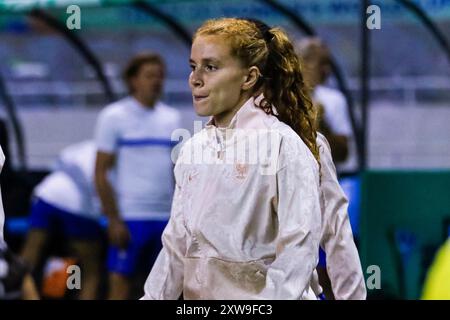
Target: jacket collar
(249,116)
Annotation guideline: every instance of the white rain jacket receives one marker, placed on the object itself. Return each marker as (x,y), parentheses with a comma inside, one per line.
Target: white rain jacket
(343,264)
(240,229)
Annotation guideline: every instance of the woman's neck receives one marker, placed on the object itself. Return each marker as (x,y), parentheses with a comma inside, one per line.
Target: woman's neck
(223,119)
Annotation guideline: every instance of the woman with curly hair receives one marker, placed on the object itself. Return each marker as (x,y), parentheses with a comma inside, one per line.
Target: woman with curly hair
(240,228)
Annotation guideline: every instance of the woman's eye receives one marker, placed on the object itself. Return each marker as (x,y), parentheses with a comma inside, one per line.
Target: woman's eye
(210,68)
(192,67)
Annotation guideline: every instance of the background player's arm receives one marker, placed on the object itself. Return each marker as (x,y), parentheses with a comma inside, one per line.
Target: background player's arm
(338,142)
(117,231)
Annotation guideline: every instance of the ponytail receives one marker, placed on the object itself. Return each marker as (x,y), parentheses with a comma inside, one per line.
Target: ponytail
(285,88)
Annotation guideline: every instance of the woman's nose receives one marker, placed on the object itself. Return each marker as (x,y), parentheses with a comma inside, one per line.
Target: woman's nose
(195,80)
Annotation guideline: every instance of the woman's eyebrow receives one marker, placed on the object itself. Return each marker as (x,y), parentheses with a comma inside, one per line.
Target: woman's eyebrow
(210,60)
(206,60)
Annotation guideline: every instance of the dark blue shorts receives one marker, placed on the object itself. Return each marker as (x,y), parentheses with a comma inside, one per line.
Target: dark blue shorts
(322,258)
(46,216)
(142,250)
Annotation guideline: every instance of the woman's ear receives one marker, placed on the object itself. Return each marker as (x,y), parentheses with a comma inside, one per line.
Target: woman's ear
(251,78)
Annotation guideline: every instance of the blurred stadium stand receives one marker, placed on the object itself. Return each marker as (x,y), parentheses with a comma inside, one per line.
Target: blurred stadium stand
(408,68)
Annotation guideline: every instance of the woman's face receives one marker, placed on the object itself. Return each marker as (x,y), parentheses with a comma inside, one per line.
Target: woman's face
(217,79)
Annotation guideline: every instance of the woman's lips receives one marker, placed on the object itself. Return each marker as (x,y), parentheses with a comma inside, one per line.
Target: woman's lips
(199,98)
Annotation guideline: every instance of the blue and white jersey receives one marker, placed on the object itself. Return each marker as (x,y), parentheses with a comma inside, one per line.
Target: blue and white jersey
(140,138)
(70,186)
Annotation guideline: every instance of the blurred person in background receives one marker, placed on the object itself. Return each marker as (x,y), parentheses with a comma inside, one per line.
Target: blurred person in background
(65,203)
(7,172)
(16,186)
(15,280)
(437,283)
(334,120)
(133,138)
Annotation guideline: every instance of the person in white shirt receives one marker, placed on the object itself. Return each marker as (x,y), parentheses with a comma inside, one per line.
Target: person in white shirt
(240,228)
(334,119)
(16,281)
(334,124)
(65,203)
(133,137)
(2,213)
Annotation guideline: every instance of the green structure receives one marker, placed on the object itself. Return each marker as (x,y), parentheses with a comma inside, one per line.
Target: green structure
(404,218)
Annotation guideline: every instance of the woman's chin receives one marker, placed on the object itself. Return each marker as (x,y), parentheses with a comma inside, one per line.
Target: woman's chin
(201,111)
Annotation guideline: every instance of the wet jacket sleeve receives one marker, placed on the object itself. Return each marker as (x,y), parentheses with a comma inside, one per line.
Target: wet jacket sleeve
(165,281)
(343,263)
(299,223)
